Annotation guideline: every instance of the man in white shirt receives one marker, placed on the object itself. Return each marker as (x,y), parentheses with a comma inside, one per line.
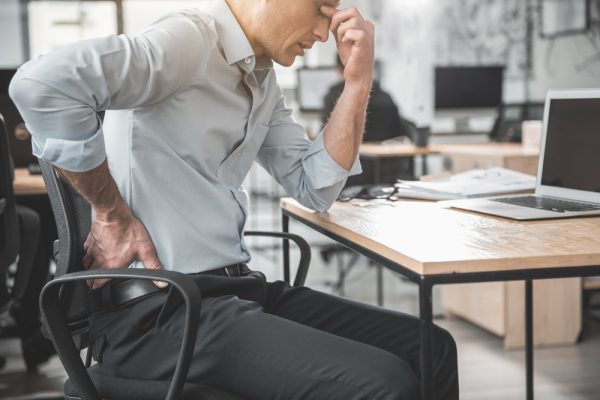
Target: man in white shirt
(191,102)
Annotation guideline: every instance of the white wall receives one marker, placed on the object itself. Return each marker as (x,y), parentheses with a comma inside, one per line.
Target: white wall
(11,49)
(567,62)
(405,46)
(418,34)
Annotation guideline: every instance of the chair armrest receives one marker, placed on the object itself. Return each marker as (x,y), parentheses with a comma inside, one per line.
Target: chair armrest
(305,253)
(69,354)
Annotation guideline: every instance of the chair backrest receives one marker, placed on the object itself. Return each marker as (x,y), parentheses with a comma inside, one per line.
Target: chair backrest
(73,217)
(20,149)
(9,227)
(507,127)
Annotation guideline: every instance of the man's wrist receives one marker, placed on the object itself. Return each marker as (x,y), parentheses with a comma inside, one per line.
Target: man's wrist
(359,89)
(117,211)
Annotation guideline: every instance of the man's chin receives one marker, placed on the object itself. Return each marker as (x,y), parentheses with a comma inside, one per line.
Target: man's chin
(286,61)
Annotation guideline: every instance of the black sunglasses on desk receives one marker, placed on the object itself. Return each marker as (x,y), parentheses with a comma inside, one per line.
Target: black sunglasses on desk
(367,192)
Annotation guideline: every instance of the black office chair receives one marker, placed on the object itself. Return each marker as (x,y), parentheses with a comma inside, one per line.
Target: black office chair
(19,235)
(65,308)
(9,224)
(507,126)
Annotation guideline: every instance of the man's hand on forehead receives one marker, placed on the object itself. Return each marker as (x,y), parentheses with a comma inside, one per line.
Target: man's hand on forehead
(341,16)
(355,41)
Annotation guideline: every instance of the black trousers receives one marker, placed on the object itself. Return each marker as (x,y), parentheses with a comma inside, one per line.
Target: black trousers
(270,341)
(30,276)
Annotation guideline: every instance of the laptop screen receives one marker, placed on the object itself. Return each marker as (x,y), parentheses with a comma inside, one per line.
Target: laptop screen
(572,154)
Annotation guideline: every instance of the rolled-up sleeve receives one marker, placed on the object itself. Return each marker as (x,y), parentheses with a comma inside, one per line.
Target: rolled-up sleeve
(60,94)
(305,169)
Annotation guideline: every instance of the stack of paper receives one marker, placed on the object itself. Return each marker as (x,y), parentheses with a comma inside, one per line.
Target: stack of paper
(473,183)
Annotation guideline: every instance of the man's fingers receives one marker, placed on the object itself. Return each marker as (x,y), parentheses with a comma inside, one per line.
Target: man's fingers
(329,12)
(151,261)
(96,283)
(353,35)
(350,24)
(341,16)
(149,258)
(87,260)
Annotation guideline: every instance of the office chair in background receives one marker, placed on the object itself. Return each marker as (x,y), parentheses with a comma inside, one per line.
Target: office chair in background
(65,306)
(19,140)
(507,126)
(9,229)
(19,235)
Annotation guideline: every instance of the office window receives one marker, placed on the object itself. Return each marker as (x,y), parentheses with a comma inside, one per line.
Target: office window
(138,14)
(54,24)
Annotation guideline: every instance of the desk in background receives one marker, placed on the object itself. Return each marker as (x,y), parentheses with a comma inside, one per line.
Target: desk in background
(26,184)
(513,156)
(378,152)
(462,156)
(431,245)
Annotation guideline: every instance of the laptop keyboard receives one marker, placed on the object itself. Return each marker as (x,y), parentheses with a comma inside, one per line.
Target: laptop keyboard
(549,204)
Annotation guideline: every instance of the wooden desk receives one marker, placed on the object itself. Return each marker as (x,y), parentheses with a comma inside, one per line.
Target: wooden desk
(431,245)
(484,155)
(377,150)
(27,184)
(497,306)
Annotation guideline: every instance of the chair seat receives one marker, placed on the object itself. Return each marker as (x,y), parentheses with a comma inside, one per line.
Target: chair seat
(112,388)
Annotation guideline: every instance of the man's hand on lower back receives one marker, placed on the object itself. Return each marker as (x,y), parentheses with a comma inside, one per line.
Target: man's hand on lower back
(116,242)
(117,238)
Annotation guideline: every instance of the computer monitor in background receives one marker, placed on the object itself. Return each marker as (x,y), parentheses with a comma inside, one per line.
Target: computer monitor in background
(20,149)
(313,85)
(468,91)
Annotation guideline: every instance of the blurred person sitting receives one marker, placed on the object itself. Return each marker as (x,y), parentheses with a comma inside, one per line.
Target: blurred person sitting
(384,122)
(20,289)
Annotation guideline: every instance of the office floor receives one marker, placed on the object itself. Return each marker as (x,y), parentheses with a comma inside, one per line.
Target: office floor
(486,370)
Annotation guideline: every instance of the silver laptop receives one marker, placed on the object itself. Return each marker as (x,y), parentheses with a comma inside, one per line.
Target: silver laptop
(568,175)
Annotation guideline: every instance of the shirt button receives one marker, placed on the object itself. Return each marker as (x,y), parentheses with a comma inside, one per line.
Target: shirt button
(247,60)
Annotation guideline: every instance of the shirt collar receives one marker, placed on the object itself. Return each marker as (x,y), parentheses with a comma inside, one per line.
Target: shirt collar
(233,39)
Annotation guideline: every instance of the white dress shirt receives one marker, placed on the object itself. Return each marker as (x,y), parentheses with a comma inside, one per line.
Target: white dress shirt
(189,109)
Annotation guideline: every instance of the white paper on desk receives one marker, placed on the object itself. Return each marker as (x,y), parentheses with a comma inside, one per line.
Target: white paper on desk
(473,183)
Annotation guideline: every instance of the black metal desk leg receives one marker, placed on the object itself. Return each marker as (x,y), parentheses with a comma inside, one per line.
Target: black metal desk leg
(529,338)
(424,170)
(377,169)
(379,285)
(426,317)
(285,227)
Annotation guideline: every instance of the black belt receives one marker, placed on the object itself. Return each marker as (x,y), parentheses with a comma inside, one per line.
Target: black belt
(119,292)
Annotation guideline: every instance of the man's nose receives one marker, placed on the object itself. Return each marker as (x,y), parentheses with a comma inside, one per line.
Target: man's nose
(322,29)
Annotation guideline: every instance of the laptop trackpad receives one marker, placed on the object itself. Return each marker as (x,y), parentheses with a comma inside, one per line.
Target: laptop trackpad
(501,209)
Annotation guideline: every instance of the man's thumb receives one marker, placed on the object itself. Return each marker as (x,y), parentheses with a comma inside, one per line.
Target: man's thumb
(151,261)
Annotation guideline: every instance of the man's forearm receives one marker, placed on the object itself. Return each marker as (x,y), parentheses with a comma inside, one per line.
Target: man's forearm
(99,189)
(343,133)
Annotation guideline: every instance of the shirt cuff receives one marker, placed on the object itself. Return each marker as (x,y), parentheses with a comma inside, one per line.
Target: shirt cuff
(72,155)
(322,169)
